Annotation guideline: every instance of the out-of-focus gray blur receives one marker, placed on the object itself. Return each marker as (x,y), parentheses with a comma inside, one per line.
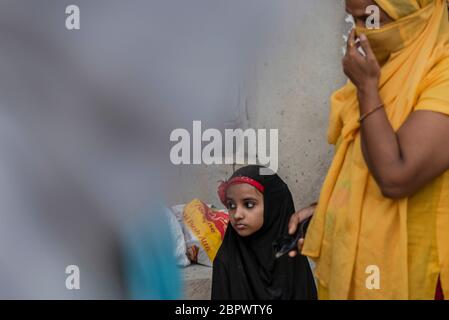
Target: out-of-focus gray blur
(85,118)
(86,115)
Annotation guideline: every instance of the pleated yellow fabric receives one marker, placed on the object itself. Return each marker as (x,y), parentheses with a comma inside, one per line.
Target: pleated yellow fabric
(355,226)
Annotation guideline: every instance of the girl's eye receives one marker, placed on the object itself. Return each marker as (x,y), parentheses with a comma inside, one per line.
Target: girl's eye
(231,205)
(250,204)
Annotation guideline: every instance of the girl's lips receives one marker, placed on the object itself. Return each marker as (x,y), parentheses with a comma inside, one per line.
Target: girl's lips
(240,226)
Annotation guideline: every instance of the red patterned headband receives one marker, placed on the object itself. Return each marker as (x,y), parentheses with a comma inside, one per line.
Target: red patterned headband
(236,180)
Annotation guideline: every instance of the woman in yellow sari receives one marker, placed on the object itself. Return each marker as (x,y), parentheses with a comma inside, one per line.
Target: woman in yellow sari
(381,226)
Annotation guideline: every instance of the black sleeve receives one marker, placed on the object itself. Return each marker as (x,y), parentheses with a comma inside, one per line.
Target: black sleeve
(220,282)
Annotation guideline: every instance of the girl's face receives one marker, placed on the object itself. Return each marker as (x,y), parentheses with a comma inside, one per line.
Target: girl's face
(245,206)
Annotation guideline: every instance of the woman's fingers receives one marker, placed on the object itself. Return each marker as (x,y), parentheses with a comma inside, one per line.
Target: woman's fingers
(298,217)
(295,220)
(366,47)
(351,45)
(352,54)
(300,244)
(294,253)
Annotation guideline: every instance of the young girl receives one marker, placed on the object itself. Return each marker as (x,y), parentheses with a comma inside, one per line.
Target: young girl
(245,267)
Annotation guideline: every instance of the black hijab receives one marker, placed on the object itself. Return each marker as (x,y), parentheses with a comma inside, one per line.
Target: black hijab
(245,267)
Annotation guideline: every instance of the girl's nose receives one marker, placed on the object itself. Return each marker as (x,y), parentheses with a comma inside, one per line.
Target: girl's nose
(239,214)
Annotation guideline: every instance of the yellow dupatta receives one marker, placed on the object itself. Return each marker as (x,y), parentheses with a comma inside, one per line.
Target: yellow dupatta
(354,227)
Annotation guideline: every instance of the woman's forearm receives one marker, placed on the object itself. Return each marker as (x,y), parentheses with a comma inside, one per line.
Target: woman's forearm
(380,144)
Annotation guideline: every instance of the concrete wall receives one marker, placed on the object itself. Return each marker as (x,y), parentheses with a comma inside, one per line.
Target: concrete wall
(287,87)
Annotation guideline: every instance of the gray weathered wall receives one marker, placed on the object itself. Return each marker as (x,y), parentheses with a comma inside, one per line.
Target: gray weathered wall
(287,87)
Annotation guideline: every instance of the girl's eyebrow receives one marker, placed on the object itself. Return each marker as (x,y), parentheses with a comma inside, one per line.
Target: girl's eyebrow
(244,199)
(247,199)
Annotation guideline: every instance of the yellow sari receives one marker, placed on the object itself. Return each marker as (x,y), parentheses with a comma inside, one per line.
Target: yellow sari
(354,227)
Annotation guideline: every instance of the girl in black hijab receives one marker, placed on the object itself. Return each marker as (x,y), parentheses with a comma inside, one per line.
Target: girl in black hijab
(245,267)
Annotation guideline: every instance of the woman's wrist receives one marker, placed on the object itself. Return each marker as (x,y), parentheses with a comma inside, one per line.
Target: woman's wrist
(368,96)
(368,87)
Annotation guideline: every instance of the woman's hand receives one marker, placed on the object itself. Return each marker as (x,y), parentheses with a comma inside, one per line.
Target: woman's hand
(363,71)
(295,220)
